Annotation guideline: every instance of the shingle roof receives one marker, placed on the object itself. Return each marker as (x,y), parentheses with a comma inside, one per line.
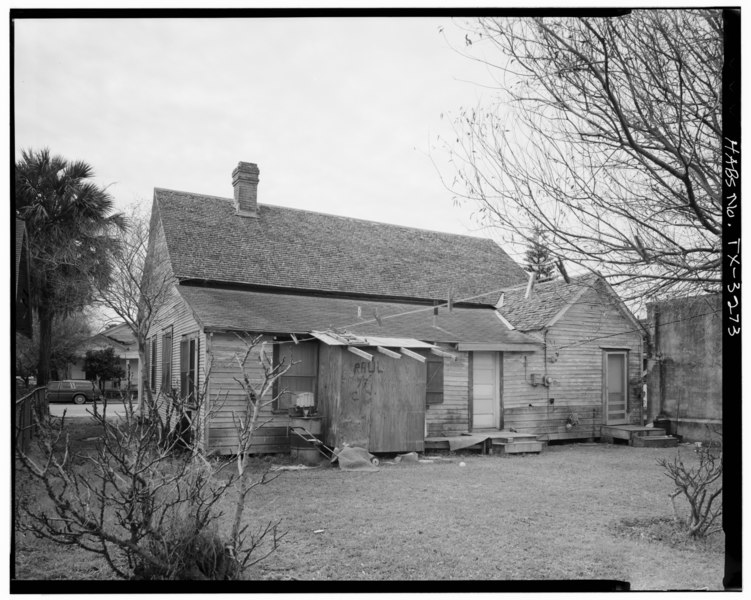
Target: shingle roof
(548,298)
(121,333)
(242,310)
(303,250)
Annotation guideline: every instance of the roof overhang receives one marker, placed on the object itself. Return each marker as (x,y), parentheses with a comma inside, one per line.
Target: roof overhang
(331,338)
(405,346)
(491,347)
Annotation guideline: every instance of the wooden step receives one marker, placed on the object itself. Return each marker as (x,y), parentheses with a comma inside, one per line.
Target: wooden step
(512,438)
(654,441)
(628,432)
(652,431)
(517,447)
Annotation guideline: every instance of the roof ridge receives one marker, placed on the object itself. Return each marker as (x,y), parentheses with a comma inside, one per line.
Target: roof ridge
(538,284)
(346,218)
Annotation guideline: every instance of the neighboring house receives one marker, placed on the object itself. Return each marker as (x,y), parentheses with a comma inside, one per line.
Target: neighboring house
(337,283)
(588,372)
(22,280)
(684,378)
(119,337)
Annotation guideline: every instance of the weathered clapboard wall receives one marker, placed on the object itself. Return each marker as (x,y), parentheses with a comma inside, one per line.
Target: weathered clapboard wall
(227,397)
(174,313)
(451,417)
(573,358)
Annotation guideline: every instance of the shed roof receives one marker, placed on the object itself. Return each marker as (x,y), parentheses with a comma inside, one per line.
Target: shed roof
(303,250)
(241,310)
(547,300)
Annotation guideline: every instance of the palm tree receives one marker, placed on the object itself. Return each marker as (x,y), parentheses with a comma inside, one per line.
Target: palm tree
(69,224)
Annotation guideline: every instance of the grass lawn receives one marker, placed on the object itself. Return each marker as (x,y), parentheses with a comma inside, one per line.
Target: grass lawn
(574,512)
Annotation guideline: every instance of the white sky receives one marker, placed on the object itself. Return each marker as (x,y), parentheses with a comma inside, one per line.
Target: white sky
(341,114)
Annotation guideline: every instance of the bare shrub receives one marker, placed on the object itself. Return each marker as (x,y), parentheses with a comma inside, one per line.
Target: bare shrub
(700,486)
(148,500)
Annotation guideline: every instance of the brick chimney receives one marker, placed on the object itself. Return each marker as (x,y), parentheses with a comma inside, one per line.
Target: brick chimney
(245,182)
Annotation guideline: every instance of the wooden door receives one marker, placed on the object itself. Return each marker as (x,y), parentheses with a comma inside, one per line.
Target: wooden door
(615,388)
(486,399)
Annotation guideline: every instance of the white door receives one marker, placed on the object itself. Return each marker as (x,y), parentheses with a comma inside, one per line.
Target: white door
(486,401)
(615,388)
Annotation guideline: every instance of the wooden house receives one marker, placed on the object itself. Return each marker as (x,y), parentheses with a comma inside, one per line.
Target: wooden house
(588,373)
(399,334)
(121,339)
(352,303)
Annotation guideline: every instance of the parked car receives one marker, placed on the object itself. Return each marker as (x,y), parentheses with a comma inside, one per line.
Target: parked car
(79,391)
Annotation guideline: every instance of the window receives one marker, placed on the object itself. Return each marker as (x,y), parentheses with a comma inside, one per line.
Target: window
(189,368)
(434,387)
(152,374)
(167,360)
(301,377)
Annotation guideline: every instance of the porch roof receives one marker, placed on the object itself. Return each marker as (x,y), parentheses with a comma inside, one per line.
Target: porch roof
(261,312)
(334,339)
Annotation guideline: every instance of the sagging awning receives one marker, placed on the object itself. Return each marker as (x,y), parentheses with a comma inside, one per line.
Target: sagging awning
(394,347)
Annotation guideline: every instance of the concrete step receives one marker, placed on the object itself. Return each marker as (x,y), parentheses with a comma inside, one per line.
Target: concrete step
(517,447)
(654,441)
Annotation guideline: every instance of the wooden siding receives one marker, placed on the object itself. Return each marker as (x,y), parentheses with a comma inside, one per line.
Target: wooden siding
(329,390)
(227,397)
(452,416)
(177,314)
(548,422)
(573,358)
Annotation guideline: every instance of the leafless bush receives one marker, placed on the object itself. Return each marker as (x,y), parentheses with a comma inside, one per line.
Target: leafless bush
(148,500)
(700,486)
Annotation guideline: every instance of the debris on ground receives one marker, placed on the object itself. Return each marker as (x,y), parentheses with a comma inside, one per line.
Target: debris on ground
(292,467)
(356,459)
(407,458)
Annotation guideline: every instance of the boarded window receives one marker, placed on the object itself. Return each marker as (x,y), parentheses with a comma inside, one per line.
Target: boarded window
(167,360)
(152,374)
(434,387)
(189,369)
(301,377)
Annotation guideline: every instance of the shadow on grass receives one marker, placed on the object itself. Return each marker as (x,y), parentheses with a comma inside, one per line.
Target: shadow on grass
(668,531)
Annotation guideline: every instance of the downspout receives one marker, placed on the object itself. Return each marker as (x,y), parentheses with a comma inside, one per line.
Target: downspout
(658,356)
(545,374)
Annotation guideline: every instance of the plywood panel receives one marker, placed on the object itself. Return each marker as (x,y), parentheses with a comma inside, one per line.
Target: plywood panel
(397,406)
(356,380)
(381,403)
(329,390)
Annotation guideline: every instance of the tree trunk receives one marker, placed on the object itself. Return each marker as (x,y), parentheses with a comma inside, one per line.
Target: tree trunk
(45,314)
